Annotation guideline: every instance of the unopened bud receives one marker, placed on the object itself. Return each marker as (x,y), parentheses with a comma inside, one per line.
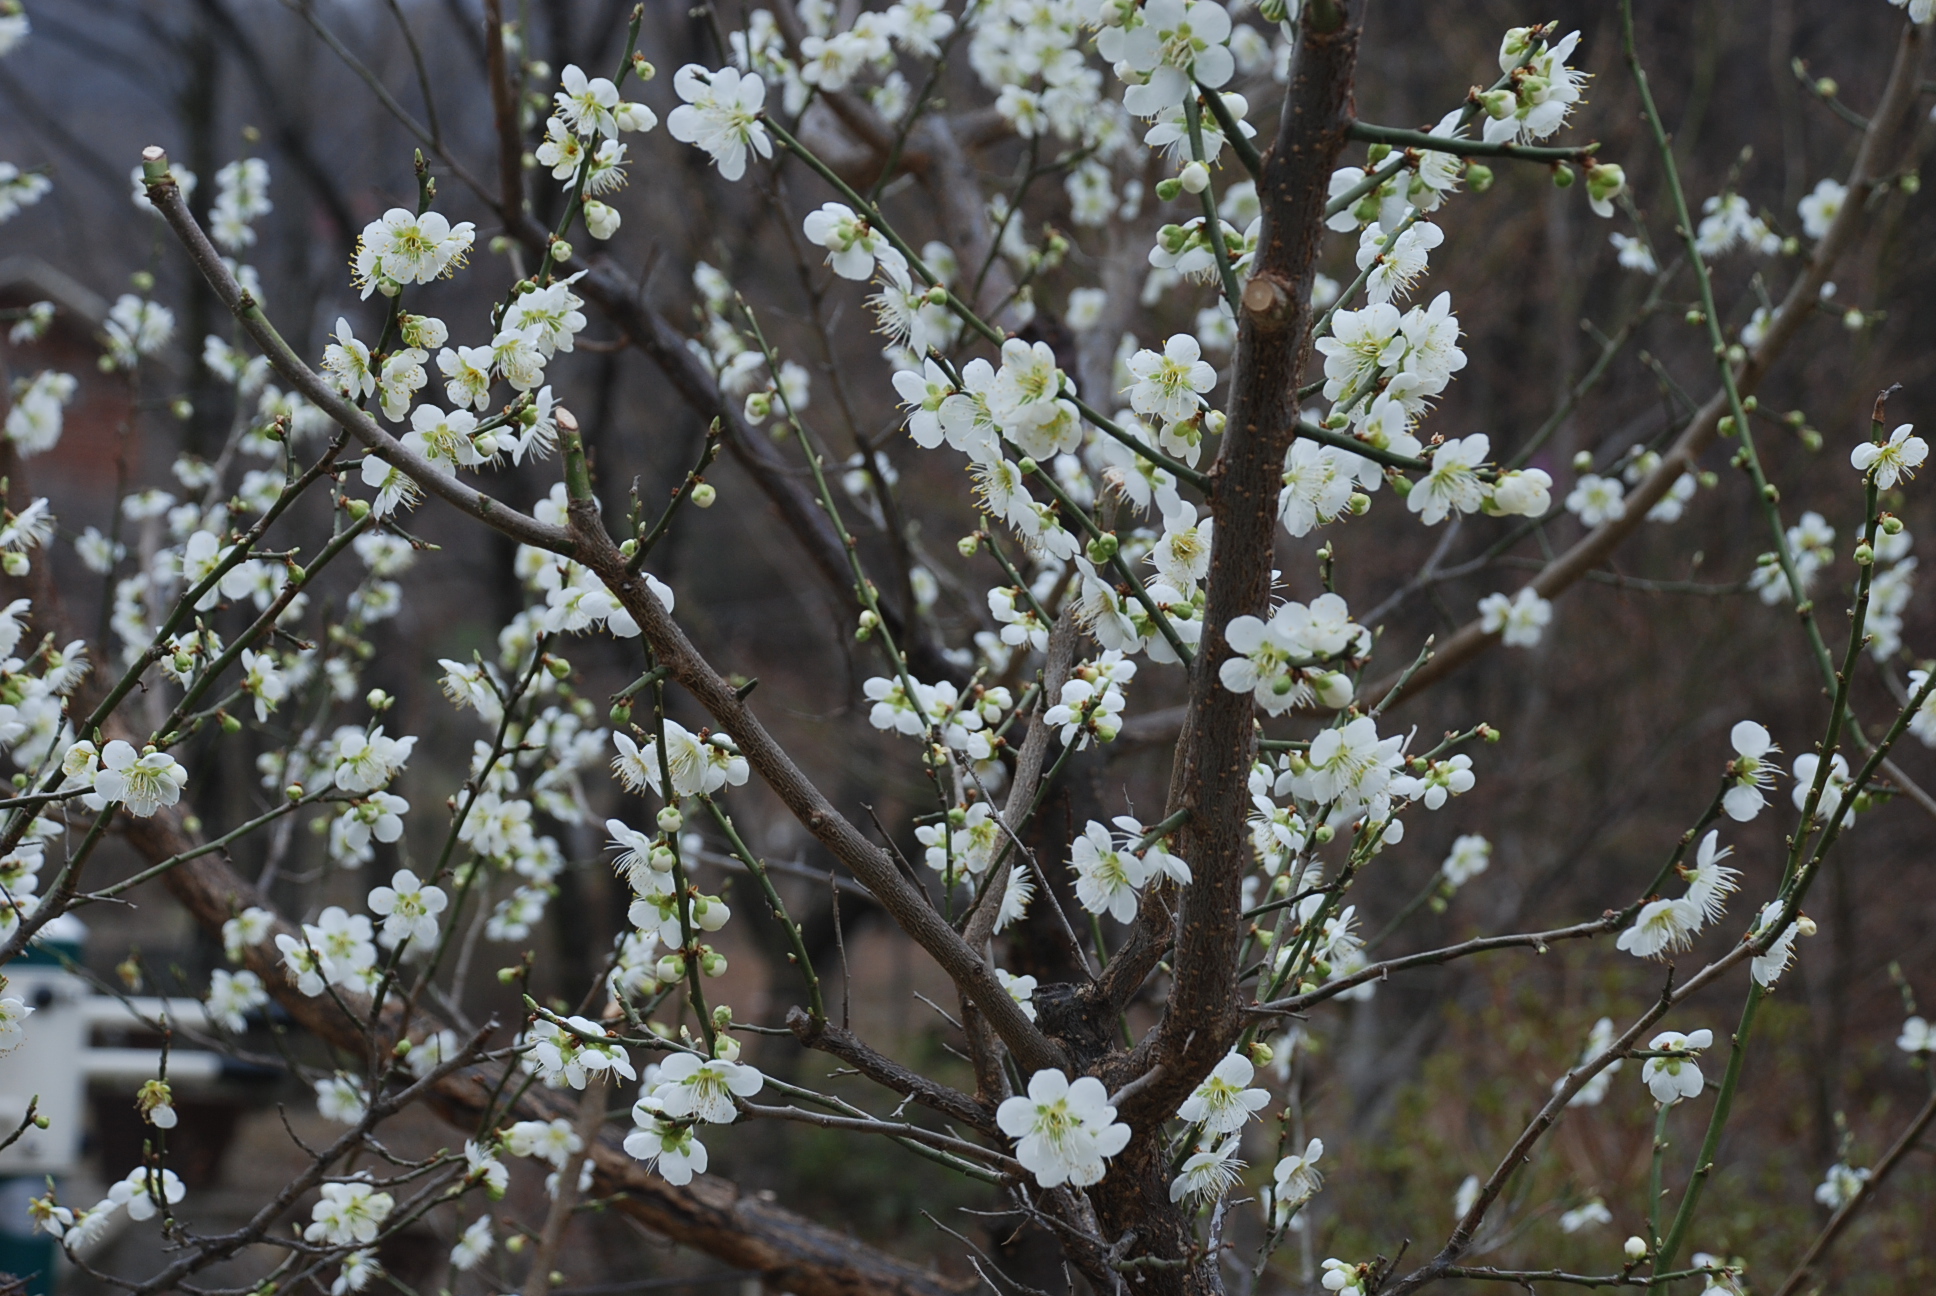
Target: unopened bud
(703,495)
(1359,504)
(1583,461)
(142,281)
(1562,176)
(1478,177)
(712,963)
(1169,188)
(670,820)
(968,545)
(1104,547)
(506,975)
(228,722)
(1891,524)
(1696,317)
(1826,87)
(671,968)
(1771,493)
(643,70)
(293,792)
(1195,178)
(1028,465)
(1910,183)
(1635,1249)
(379,700)
(558,667)
(1323,833)
(16,564)
(1864,555)
(1261,1053)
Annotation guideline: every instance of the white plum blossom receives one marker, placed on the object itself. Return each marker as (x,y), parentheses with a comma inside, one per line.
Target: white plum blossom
(1821,206)
(1470,856)
(852,244)
(1595,499)
(670,1146)
(1519,620)
(1750,772)
(1663,926)
(702,1089)
(349,1213)
(1670,1079)
(409,909)
(1109,878)
(1295,1180)
(1893,460)
(1170,385)
(1064,1132)
(1223,1104)
(142,782)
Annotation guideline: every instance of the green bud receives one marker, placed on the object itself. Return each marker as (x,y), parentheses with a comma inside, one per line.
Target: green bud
(506,975)
(1478,176)
(1910,183)
(1375,154)
(628,548)
(1359,504)
(379,700)
(712,963)
(1708,479)
(358,509)
(182,408)
(621,714)
(559,667)
(1696,317)
(228,722)
(142,281)
(1168,189)
(1261,1054)
(1323,833)
(293,792)
(1104,547)
(671,968)
(1826,87)
(1891,524)
(1401,485)
(1737,353)
(560,251)
(1811,439)
(1790,245)
(1864,555)
(722,1017)
(41,1121)
(968,545)
(1028,465)
(1726,426)
(703,495)
(1771,493)
(1583,461)
(1563,176)
(670,820)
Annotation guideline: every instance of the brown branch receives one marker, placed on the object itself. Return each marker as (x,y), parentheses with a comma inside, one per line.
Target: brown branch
(825,1037)
(1211,774)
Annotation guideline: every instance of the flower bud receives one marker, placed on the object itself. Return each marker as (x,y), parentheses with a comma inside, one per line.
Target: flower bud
(358,509)
(1736,353)
(1478,177)
(1696,317)
(1910,183)
(703,495)
(1498,104)
(670,820)
(142,281)
(1826,87)
(1323,833)
(229,723)
(293,792)
(1583,461)
(1195,178)
(1028,466)
(1261,1053)
(182,408)
(561,250)
(1562,176)
(1169,188)
(1358,504)
(1104,547)
(1771,493)
(1635,1249)
(621,714)
(968,545)
(712,962)
(869,619)
(1708,478)
(643,70)
(725,1047)
(1891,524)
(671,968)
(16,564)
(379,700)
(1864,555)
